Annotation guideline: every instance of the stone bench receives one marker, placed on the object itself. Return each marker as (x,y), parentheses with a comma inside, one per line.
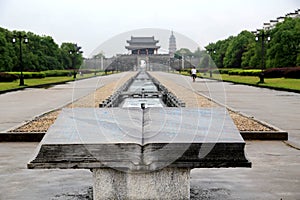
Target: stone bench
(141,154)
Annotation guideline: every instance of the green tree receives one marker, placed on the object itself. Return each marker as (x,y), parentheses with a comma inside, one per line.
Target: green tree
(6,61)
(41,53)
(46,50)
(218,50)
(71,56)
(184,51)
(284,47)
(251,56)
(238,45)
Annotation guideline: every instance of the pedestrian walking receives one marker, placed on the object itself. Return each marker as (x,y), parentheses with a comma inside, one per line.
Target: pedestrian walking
(194,73)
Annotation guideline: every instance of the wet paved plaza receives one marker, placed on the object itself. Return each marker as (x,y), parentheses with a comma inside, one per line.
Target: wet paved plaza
(274,175)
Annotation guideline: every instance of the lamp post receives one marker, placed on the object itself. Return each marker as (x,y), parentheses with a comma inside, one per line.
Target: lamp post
(210,51)
(182,52)
(74,52)
(260,34)
(118,63)
(21,37)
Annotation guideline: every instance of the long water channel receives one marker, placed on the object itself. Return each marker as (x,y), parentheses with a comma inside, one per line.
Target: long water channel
(142,91)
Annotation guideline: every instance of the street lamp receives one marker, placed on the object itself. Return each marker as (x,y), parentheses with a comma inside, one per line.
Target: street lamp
(182,52)
(264,37)
(118,63)
(210,51)
(21,37)
(74,52)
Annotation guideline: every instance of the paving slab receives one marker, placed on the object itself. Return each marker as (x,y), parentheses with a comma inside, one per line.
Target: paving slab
(274,175)
(17,182)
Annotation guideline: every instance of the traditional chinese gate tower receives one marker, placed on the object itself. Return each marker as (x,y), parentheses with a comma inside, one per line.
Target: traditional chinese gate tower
(142,45)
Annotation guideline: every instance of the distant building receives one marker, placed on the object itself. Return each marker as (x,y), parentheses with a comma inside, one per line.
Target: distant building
(280,19)
(298,13)
(142,45)
(172,45)
(267,26)
(272,23)
(292,15)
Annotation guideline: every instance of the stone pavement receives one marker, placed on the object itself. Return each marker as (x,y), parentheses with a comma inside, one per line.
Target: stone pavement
(274,175)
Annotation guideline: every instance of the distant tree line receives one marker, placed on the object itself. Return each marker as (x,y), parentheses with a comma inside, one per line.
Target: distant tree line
(39,54)
(244,51)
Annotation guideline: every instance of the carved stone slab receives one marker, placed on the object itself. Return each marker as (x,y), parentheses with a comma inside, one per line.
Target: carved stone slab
(140,140)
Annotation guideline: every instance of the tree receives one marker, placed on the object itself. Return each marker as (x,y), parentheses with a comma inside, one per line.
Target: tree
(71,55)
(237,46)
(218,51)
(41,53)
(284,46)
(6,61)
(184,51)
(251,58)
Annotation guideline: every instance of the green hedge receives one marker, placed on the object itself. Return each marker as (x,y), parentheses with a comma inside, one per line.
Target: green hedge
(28,75)
(287,72)
(222,71)
(43,74)
(53,73)
(6,77)
(246,72)
(250,72)
(239,72)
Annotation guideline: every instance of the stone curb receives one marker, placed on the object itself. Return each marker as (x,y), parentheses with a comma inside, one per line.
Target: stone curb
(21,137)
(247,135)
(264,135)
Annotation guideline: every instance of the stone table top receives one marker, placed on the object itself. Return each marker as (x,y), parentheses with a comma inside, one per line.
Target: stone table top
(135,139)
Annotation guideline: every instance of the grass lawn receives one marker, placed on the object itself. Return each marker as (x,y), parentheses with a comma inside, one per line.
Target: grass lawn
(280,83)
(33,82)
(41,81)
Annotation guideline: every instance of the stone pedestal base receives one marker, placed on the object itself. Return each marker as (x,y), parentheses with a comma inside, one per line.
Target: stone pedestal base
(167,183)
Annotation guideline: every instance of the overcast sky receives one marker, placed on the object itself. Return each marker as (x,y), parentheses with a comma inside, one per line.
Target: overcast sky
(90,23)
